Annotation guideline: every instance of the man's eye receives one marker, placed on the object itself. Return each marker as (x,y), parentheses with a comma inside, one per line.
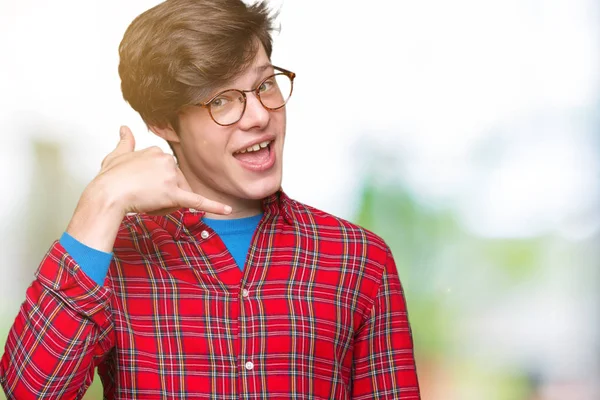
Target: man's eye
(219,102)
(266,85)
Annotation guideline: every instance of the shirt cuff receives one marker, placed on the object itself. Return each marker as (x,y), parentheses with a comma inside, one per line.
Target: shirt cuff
(93,262)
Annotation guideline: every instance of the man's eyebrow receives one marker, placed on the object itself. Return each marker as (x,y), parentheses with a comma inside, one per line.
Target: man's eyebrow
(263,67)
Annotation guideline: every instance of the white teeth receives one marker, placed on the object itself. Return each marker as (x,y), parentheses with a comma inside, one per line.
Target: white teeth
(256,147)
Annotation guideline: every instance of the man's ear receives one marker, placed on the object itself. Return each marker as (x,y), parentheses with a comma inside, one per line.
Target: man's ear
(166,132)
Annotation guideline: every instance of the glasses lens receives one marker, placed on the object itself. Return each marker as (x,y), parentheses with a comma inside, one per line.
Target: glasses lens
(227,108)
(275,91)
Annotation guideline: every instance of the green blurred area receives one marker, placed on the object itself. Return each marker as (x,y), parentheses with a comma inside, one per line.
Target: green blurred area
(451,277)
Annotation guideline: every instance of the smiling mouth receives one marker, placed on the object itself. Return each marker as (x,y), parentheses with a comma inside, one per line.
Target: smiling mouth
(256,148)
(259,157)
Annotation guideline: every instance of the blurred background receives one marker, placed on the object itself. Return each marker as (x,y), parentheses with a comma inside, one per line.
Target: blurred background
(465,133)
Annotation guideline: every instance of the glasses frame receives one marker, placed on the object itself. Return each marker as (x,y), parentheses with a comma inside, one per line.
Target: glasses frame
(256,92)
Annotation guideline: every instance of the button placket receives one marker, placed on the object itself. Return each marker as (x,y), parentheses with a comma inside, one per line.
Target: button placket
(248,365)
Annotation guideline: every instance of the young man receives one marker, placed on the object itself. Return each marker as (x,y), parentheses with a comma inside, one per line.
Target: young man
(200,278)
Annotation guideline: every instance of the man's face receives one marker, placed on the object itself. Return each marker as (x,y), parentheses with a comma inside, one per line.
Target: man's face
(210,155)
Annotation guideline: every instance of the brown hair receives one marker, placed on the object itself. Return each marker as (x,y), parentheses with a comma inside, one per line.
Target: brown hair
(176,53)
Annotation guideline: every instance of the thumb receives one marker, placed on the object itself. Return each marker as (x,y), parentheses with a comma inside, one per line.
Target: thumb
(127,142)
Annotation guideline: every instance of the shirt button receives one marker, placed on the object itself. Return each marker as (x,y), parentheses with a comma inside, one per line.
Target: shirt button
(204,234)
(193,210)
(245,293)
(249,365)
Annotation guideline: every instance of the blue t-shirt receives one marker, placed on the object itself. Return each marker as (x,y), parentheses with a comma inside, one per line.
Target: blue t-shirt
(236,234)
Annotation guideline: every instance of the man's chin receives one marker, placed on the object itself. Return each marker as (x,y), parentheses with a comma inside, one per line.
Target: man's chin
(261,190)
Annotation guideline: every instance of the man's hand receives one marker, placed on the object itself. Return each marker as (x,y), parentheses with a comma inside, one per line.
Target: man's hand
(144,181)
(149,181)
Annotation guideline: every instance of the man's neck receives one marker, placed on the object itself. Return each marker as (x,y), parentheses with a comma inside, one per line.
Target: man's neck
(241,208)
(238,213)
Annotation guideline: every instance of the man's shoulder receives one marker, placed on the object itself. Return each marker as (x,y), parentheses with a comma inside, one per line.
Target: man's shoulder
(328,226)
(308,220)
(134,225)
(135,236)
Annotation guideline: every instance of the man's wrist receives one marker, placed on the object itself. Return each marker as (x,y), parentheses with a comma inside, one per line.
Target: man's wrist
(97,218)
(93,263)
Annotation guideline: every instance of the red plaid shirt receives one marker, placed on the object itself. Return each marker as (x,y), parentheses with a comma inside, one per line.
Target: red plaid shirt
(318,313)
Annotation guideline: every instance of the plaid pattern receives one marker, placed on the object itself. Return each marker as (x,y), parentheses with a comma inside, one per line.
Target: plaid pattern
(318,313)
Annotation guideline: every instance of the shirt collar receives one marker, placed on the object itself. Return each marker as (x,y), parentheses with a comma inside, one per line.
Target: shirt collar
(186,219)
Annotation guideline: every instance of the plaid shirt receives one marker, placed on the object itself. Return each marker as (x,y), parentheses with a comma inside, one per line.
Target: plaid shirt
(318,313)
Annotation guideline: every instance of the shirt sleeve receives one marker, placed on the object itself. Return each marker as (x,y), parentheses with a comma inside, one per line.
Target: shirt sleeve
(93,262)
(63,330)
(384,364)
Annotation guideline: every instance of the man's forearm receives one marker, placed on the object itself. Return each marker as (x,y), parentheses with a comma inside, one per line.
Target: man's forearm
(51,347)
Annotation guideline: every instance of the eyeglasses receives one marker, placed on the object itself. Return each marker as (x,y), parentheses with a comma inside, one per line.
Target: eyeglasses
(227,107)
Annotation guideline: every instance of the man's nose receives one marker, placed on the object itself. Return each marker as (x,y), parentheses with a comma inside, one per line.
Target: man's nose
(256,115)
